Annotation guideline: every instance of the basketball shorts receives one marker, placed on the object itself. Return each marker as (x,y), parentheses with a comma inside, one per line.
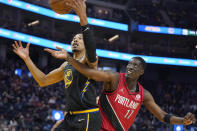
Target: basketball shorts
(89,121)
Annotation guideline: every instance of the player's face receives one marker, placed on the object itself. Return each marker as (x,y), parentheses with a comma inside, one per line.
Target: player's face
(134,68)
(77,43)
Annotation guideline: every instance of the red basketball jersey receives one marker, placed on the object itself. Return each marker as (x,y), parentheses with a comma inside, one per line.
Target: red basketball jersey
(124,104)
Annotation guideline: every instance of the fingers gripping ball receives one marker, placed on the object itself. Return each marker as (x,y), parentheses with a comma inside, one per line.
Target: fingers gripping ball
(61,6)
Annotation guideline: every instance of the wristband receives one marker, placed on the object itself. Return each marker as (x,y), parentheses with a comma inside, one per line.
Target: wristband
(85,28)
(167,118)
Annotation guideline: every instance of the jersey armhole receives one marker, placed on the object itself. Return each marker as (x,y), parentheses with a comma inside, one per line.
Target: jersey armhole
(141,91)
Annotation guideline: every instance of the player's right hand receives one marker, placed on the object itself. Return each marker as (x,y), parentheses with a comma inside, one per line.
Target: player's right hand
(20,50)
(60,54)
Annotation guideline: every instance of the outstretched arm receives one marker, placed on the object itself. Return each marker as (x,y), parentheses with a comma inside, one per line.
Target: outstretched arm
(41,78)
(92,73)
(82,68)
(162,115)
(79,7)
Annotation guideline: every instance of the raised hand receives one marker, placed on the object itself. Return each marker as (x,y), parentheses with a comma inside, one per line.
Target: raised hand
(189,119)
(20,50)
(60,54)
(79,6)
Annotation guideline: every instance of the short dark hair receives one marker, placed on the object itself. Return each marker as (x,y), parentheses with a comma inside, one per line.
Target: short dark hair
(73,35)
(143,62)
(77,34)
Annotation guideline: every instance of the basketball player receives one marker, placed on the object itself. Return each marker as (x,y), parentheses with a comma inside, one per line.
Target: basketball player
(83,112)
(123,95)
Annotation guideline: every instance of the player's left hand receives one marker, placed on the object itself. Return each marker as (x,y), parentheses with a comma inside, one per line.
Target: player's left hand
(189,119)
(60,54)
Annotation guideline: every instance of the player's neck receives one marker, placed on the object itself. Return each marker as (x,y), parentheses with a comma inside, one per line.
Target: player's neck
(78,55)
(131,82)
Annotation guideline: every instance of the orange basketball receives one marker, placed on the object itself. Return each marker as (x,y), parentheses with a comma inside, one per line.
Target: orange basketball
(60,7)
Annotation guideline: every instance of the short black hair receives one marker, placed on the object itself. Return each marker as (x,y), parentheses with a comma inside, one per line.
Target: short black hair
(143,62)
(74,34)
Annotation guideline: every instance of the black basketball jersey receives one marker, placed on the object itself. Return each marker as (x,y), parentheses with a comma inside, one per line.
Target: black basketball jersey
(79,91)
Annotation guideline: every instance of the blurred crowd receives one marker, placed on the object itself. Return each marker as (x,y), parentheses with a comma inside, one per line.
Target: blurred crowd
(24,106)
(181,13)
(146,12)
(153,46)
(149,12)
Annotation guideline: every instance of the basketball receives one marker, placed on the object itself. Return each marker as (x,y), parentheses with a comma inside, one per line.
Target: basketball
(60,7)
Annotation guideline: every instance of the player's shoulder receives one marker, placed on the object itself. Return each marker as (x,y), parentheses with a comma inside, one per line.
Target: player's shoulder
(146,92)
(63,65)
(147,95)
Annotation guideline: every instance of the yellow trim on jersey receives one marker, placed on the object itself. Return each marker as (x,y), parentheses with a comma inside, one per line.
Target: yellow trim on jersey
(84,111)
(87,122)
(87,83)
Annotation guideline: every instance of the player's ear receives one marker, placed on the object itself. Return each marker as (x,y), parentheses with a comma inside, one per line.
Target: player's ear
(141,71)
